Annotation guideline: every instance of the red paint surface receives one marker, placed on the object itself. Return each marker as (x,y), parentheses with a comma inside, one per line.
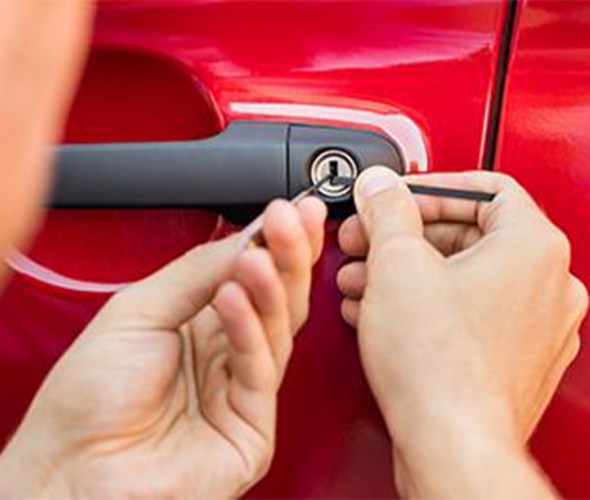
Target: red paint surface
(146,96)
(432,60)
(546,146)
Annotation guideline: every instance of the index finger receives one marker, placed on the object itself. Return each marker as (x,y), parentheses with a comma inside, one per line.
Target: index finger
(512,205)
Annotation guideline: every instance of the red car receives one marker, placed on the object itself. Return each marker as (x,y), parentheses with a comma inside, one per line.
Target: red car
(236,100)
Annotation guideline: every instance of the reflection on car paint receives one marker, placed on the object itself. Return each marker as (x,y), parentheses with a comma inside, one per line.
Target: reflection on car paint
(397,126)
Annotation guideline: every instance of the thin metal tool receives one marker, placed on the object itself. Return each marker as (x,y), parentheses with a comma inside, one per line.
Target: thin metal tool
(252,234)
(460,194)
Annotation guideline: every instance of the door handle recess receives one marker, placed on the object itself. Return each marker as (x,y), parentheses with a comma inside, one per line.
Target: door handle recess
(249,163)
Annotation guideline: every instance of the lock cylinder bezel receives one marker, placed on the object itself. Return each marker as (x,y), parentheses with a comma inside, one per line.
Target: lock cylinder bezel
(320,168)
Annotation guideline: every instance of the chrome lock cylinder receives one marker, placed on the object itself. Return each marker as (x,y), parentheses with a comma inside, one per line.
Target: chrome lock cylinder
(339,165)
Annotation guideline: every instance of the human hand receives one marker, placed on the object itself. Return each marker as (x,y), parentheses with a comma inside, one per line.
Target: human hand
(171,390)
(467,318)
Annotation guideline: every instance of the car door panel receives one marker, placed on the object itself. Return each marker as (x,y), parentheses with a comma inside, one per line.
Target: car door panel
(544,144)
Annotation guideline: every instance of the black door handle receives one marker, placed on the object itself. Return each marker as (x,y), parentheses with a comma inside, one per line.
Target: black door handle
(249,163)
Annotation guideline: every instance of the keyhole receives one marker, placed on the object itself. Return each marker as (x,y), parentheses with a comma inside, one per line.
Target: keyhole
(333,166)
(339,167)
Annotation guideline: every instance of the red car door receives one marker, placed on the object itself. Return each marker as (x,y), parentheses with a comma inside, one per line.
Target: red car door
(544,144)
(427,75)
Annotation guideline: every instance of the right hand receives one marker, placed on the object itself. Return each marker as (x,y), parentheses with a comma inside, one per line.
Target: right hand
(467,313)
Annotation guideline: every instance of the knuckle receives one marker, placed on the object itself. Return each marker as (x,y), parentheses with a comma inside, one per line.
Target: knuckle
(265,464)
(580,297)
(556,248)
(574,348)
(503,182)
(297,303)
(506,180)
(544,246)
(498,180)
(300,317)
(287,351)
(260,465)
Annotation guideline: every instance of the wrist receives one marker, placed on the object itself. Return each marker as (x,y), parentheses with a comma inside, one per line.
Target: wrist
(471,464)
(459,454)
(426,422)
(456,466)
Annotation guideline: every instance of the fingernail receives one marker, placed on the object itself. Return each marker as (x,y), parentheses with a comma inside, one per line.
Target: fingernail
(377,179)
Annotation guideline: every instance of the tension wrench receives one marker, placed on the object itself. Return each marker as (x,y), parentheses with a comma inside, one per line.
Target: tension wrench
(252,234)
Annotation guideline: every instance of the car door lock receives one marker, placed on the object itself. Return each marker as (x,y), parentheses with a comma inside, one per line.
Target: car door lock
(337,164)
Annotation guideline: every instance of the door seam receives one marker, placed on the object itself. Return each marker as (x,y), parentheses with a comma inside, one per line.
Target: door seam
(507,38)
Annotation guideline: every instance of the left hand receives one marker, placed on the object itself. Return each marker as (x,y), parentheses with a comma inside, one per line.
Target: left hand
(172,389)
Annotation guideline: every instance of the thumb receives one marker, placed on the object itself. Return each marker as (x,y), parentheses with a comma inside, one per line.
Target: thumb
(171,296)
(385,206)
